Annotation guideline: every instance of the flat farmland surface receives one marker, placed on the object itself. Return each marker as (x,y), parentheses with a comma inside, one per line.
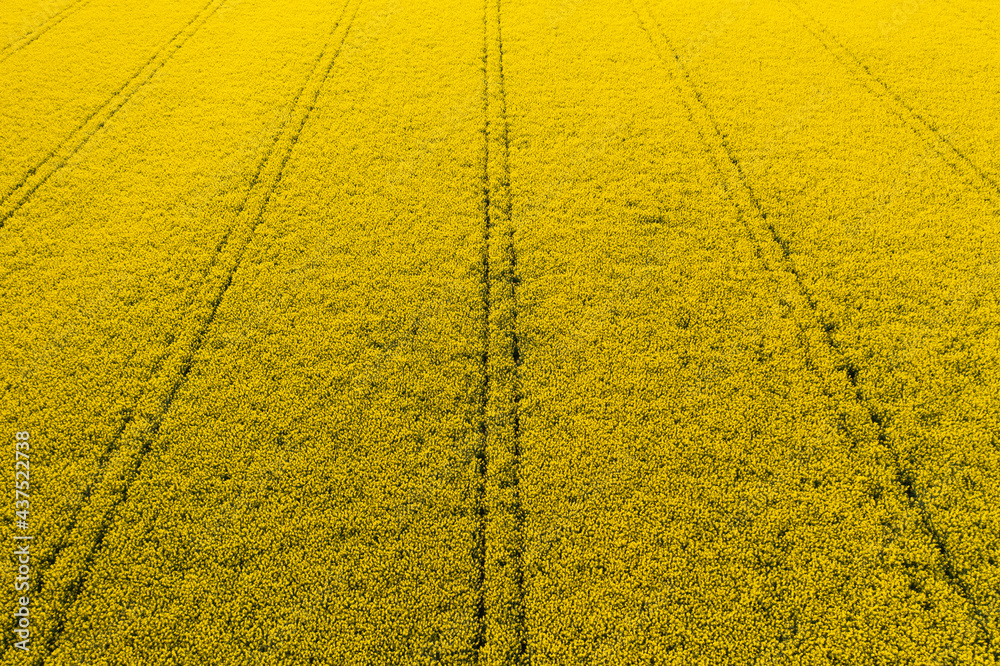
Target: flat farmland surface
(504,332)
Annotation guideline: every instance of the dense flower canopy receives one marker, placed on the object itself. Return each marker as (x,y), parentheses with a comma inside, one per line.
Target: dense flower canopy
(548,332)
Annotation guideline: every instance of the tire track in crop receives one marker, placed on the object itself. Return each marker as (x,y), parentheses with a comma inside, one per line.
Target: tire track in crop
(480,544)
(12,200)
(45,169)
(816,331)
(127,452)
(956,159)
(54,20)
(501,636)
(47,558)
(479,548)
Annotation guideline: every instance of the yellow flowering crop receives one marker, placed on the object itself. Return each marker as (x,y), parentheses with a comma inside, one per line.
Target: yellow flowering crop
(509,332)
(24,21)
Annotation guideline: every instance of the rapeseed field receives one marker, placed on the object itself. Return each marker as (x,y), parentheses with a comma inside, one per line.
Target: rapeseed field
(504,332)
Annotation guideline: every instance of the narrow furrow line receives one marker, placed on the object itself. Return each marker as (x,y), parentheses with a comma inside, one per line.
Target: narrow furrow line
(259,168)
(48,557)
(987,186)
(224,242)
(27,38)
(823,353)
(479,548)
(502,592)
(58,157)
(510,281)
(69,573)
(54,20)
